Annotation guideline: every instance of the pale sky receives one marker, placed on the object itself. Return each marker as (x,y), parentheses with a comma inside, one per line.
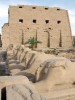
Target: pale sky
(64,4)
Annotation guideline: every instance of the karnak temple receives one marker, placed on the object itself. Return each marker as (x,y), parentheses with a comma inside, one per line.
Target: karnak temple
(51,26)
(45,72)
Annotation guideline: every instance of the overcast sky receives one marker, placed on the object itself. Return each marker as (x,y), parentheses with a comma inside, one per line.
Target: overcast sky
(65,4)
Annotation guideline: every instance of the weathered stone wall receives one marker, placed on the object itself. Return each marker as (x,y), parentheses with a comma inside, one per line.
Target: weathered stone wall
(5,36)
(47,23)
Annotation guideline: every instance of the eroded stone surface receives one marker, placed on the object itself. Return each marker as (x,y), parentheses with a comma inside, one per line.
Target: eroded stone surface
(22,92)
(10,80)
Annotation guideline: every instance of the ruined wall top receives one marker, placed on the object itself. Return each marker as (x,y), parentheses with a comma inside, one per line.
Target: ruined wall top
(35,7)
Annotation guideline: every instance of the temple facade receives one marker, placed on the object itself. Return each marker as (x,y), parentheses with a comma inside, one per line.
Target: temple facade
(51,26)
